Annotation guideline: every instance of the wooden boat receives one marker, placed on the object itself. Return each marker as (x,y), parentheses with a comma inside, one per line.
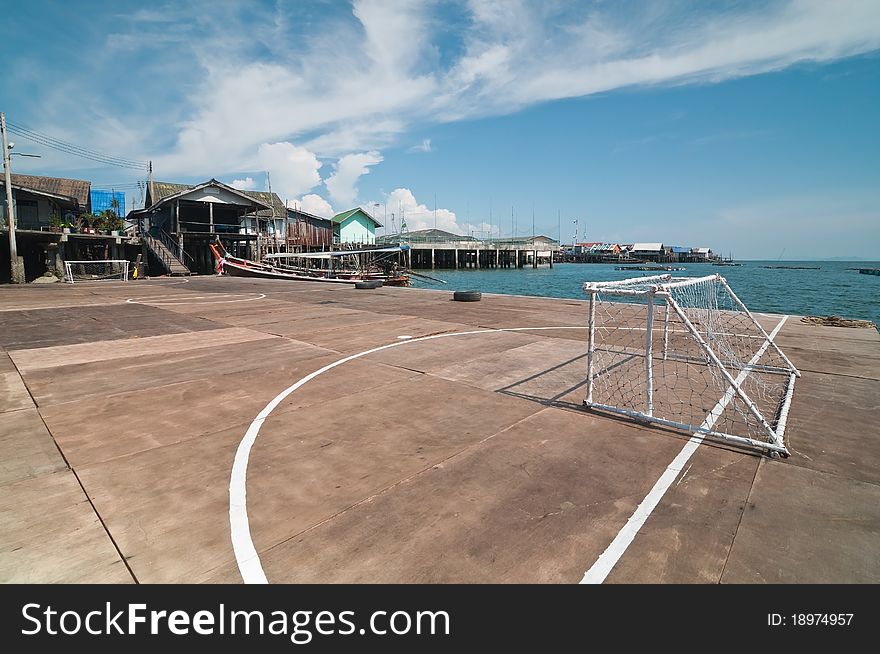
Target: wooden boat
(236,267)
(649,268)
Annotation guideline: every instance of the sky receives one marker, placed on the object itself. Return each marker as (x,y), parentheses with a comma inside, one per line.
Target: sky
(748,127)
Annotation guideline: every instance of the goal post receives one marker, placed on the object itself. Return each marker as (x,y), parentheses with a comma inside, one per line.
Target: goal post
(97,270)
(686,353)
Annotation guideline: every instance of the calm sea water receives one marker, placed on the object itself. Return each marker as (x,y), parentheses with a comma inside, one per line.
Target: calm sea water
(836,288)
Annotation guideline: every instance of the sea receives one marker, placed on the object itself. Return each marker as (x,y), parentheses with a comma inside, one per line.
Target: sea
(814,288)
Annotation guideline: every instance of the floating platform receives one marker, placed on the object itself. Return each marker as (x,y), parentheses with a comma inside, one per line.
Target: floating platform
(428,445)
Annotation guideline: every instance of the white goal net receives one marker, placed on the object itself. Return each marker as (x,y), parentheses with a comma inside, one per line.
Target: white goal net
(106,269)
(686,353)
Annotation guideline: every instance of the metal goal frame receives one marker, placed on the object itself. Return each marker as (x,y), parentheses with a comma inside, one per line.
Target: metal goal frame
(659,289)
(122,275)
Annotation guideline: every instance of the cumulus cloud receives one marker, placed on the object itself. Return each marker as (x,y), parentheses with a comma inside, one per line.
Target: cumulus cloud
(256,78)
(246,184)
(403,204)
(342,184)
(313,204)
(293,169)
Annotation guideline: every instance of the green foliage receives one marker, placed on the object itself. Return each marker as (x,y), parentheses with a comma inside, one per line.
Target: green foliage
(110,220)
(59,221)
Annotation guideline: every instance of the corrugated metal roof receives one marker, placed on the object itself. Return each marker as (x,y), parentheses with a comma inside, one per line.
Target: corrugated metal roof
(647,247)
(77,189)
(158,191)
(161,190)
(681,250)
(271,199)
(345,215)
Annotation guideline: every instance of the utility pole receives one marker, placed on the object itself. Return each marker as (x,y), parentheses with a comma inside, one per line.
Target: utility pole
(16,270)
(533,223)
(272,203)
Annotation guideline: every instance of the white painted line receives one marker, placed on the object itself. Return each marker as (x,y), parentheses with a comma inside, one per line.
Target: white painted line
(609,558)
(173,301)
(246,555)
(65,306)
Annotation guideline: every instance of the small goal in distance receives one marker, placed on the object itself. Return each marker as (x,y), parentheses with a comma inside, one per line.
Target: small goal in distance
(687,354)
(99,270)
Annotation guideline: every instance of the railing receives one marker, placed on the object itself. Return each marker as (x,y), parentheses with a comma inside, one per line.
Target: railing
(175,248)
(163,252)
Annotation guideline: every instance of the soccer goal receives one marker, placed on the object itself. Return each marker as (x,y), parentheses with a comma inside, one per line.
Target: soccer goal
(686,353)
(104,269)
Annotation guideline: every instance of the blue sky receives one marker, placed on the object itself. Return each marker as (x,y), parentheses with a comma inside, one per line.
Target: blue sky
(750,127)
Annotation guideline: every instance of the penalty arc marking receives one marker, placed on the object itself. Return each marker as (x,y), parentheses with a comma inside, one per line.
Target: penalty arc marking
(174,300)
(246,556)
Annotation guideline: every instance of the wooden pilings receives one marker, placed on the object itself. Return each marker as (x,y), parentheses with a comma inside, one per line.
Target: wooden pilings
(473,258)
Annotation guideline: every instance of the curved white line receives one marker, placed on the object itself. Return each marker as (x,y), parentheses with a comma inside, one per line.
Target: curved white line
(169,302)
(242,544)
(161,281)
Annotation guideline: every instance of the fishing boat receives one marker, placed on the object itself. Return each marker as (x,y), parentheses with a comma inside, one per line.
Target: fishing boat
(666,268)
(726,262)
(272,268)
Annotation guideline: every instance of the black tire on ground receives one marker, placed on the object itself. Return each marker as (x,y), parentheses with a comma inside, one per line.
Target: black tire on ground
(372,283)
(467,296)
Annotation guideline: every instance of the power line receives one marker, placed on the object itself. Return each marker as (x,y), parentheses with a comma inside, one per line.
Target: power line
(29,133)
(75,150)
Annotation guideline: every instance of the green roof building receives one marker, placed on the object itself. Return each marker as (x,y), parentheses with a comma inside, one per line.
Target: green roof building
(355,226)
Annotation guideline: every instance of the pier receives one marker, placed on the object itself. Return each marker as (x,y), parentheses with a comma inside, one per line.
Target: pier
(432,249)
(424,440)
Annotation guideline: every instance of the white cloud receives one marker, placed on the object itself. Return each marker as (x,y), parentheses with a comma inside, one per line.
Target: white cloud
(347,171)
(293,169)
(424,146)
(246,184)
(403,204)
(313,204)
(224,82)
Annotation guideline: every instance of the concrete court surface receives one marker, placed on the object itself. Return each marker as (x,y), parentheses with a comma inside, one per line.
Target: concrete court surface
(456,459)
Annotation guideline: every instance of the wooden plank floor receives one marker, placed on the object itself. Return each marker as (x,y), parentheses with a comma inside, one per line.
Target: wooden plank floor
(452,459)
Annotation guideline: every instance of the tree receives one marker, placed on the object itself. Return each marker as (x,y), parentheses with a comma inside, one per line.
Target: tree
(110,220)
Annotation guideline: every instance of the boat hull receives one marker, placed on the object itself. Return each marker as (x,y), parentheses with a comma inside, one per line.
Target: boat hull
(235,269)
(238,270)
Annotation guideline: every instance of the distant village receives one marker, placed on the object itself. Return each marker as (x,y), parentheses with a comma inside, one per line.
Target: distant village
(58,220)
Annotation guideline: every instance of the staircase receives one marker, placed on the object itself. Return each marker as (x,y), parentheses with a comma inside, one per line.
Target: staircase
(169,253)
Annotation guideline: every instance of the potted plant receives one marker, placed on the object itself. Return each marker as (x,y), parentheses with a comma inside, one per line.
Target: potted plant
(56,222)
(110,222)
(87,222)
